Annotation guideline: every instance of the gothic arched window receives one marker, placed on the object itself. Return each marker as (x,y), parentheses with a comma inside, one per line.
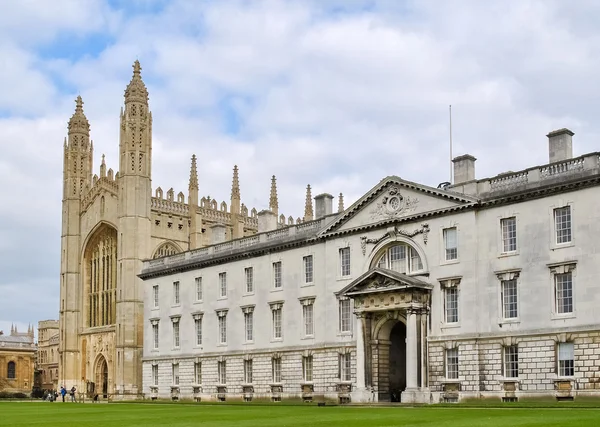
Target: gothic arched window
(11,371)
(400,257)
(166,249)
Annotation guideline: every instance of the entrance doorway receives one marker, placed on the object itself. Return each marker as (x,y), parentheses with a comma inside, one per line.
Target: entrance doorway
(397,362)
(102,376)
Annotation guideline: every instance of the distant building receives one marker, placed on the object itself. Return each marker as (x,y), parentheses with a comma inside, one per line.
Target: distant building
(48,334)
(17,360)
(480,288)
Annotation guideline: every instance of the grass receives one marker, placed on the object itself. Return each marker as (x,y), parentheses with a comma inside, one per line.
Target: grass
(21,414)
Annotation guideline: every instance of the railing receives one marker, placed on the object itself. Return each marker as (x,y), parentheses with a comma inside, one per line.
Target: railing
(563,168)
(169,206)
(509,181)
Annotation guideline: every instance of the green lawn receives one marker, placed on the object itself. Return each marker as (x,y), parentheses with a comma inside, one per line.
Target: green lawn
(27,414)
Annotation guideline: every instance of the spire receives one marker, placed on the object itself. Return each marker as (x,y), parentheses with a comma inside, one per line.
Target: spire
(136,89)
(308,209)
(235,185)
(103,168)
(341,203)
(79,122)
(193,175)
(273,202)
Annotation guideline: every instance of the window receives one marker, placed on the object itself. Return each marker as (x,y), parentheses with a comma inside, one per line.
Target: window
(249,272)
(198,288)
(345,262)
(451,305)
(155,374)
(155,295)
(223,329)
(562,224)
(509,234)
(452,363)
(248,371)
(563,289)
(308,269)
(198,326)
(566,359)
(307,317)
(176,333)
(176,293)
(511,361)
(509,299)
(276,323)
(11,371)
(276,368)
(307,368)
(222,371)
(198,373)
(345,363)
(155,334)
(223,285)
(175,370)
(345,316)
(249,325)
(277,275)
(401,258)
(450,244)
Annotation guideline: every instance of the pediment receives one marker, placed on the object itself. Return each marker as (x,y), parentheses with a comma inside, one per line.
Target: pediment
(378,280)
(396,199)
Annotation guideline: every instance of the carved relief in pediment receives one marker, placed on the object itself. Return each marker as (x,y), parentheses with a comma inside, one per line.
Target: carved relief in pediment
(393,204)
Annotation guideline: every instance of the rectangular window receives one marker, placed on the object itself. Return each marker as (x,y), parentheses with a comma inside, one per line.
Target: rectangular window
(509,299)
(222,372)
(155,374)
(223,284)
(198,372)
(307,368)
(345,262)
(155,295)
(345,364)
(345,316)
(562,224)
(511,361)
(451,305)
(249,326)
(155,335)
(452,363)
(276,368)
(176,300)
(198,325)
(308,269)
(277,275)
(223,329)
(277,323)
(563,288)
(248,371)
(175,373)
(566,359)
(307,315)
(198,288)
(450,244)
(176,334)
(249,272)
(509,234)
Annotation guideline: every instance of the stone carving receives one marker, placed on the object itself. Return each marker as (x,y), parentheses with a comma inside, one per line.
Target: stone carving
(381,283)
(424,230)
(393,204)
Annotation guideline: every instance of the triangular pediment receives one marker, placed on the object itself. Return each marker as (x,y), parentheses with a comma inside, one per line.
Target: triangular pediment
(379,280)
(395,199)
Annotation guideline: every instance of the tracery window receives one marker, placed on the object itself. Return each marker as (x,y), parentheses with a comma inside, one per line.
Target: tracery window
(166,249)
(402,258)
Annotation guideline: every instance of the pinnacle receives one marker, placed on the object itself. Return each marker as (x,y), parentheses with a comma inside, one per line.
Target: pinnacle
(273,201)
(235,185)
(308,209)
(137,68)
(136,89)
(193,185)
(79,104)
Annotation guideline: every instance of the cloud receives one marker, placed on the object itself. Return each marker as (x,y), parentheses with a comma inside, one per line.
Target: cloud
(337,94)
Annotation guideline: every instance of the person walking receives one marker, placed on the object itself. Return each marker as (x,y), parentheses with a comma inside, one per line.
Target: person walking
(72,393)
(63,392)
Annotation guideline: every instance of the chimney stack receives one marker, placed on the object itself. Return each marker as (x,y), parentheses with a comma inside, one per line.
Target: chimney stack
(267,221)
(217,233)
(560,143)
(323,205)
(464,168)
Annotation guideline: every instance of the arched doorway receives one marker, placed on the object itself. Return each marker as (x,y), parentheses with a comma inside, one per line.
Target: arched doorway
(102,376)
(389,349)
(397,361)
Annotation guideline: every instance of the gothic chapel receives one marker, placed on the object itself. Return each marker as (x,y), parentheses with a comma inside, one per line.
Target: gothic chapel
(110,223)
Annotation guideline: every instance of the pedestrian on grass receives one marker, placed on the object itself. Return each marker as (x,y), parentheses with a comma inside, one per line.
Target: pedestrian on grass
(63,392)
(72,393)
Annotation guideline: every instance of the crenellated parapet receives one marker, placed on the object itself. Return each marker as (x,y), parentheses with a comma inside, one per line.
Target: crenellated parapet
(106,182)
(169,205)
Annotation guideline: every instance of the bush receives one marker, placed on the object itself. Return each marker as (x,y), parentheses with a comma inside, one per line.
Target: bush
(10,395)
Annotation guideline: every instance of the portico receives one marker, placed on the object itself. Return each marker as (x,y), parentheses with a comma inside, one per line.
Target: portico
(392,312)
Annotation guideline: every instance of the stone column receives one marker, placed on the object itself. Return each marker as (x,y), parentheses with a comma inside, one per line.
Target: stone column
(360,351)
(411,349)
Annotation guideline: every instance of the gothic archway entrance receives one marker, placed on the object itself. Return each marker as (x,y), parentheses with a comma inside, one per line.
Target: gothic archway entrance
(102,377)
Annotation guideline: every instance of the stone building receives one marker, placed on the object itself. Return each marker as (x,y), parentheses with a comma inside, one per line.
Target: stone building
(48,354)
(476,288)
(110,223)
(17,361)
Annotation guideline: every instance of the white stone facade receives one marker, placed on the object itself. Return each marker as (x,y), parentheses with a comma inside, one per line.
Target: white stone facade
(481,288)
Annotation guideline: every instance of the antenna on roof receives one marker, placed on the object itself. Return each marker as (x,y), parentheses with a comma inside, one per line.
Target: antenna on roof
(450,111)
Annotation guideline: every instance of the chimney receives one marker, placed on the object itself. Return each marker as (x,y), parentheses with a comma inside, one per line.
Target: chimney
(323,205)
(267,221)
(560,143)
(217,233)
(464,168)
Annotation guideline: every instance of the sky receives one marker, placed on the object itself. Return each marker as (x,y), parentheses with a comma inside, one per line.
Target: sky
(333,93)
